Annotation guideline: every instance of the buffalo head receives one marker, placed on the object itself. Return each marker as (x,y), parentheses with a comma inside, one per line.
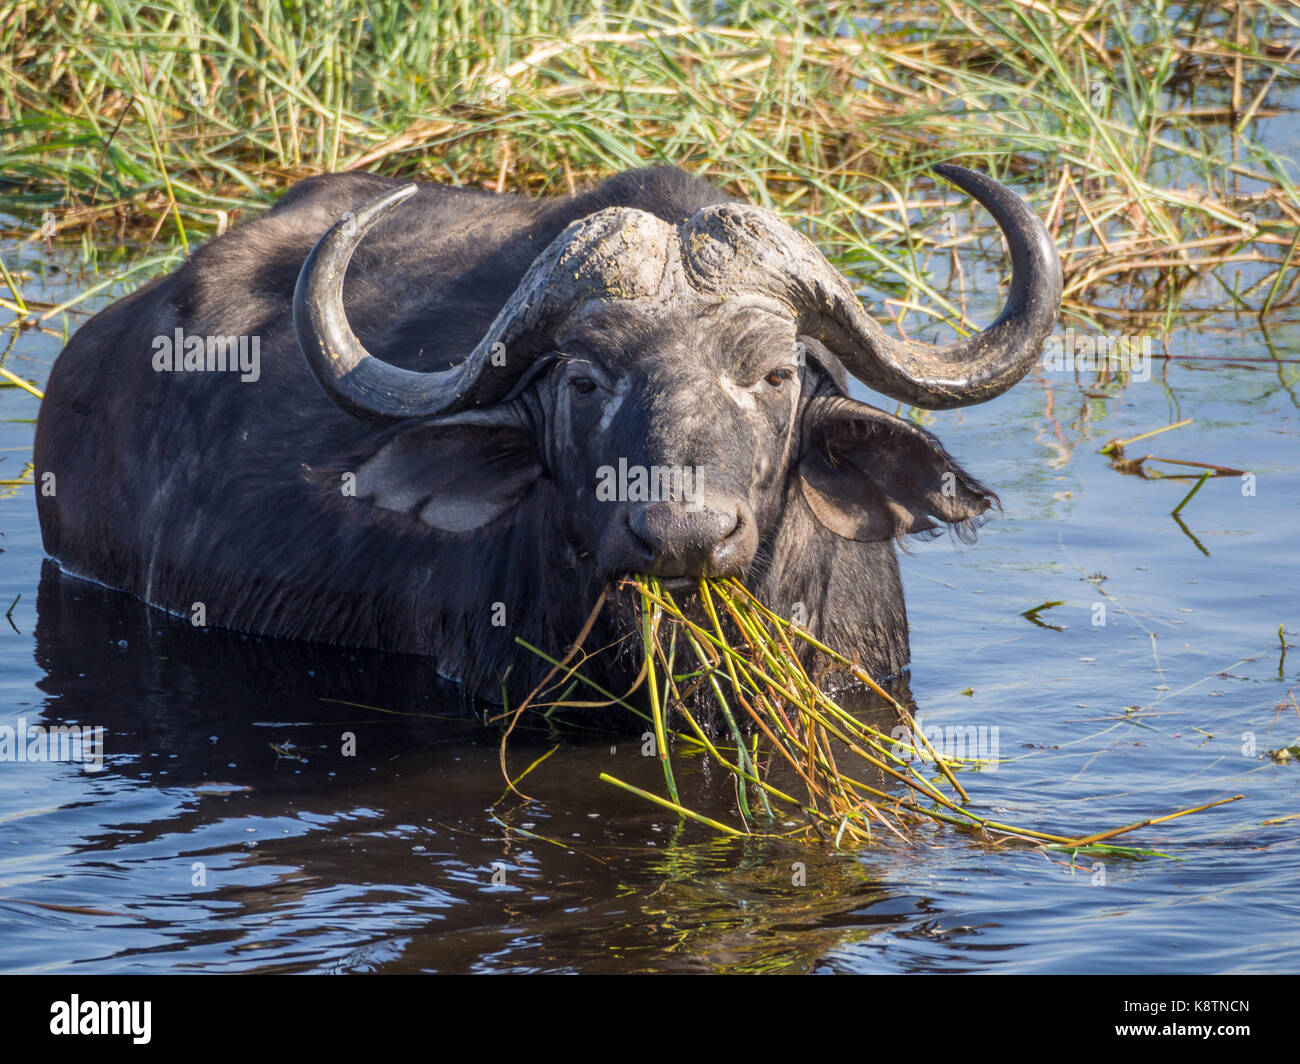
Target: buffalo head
(679,386)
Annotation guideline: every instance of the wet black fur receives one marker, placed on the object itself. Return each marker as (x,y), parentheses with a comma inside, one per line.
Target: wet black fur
(198,488)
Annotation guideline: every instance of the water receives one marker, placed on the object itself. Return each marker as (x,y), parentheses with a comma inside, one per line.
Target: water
(228,833)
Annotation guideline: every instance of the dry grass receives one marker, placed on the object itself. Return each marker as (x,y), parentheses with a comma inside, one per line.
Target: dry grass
(1134,131)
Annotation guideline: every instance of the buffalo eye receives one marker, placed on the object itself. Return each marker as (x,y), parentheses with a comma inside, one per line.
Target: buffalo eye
(779,377)
(583,385)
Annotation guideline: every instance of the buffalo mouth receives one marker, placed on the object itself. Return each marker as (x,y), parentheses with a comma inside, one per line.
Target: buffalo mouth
(680,585)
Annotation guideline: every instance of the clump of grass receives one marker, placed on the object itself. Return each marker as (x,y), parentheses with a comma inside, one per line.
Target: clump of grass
(1136,131)
(782,725)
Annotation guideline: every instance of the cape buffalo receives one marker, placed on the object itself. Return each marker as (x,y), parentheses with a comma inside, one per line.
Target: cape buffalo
(503,404)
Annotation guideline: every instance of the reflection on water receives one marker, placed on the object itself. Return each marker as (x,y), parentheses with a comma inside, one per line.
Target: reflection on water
(232,826)
(230,832)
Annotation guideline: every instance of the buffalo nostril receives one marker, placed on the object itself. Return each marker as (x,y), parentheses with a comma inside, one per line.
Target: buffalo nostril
(731,552)
(736,527)
(640,538)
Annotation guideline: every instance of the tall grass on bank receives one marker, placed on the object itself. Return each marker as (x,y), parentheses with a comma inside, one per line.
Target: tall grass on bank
(1135,131)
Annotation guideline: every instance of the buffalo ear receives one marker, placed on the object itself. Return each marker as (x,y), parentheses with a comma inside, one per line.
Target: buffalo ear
(455,473)
(868,476)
